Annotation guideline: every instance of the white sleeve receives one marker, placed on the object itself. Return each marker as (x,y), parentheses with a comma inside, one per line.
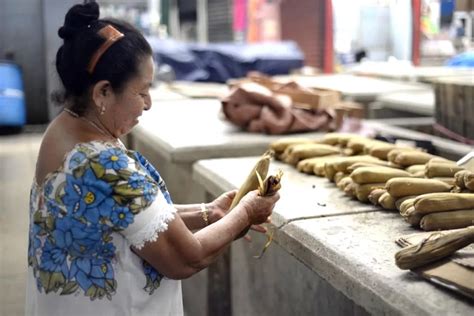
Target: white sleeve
(150,222)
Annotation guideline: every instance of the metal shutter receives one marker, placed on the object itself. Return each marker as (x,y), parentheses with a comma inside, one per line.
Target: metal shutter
(219,20)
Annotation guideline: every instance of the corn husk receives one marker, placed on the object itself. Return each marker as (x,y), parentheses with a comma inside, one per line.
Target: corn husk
(401,186)
(375,195)
(362,191)
(410,158)
(416,168)
(441,202)
(459,178)
(433,248)
(376,174)
(295,153)
(447,220)
(411,216)
(387,201)
(251,182)
(440,169)
(281,144)
(399,201)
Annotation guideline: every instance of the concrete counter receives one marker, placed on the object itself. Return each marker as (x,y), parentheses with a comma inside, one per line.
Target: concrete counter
(347,249)
(397,71)
(420,102)
(356,88)
(176,133)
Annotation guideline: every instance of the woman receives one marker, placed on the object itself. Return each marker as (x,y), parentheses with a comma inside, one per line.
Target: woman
(105,237)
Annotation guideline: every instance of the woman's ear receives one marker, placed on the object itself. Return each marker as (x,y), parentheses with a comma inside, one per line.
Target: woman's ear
(101,94)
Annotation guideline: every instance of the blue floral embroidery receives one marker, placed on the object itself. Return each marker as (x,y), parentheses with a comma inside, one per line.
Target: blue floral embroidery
(122,217)
(113,158)
(87,196)
(136,180)
(76,159)
(70,243)
(53,259)
(154,174)
(153,278)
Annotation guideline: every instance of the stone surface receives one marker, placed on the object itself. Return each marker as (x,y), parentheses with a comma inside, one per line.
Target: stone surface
(399,71)
(355,254)
(347,244)
(356,88)
(302,195)
(418,102)
(280,284)
(192,129)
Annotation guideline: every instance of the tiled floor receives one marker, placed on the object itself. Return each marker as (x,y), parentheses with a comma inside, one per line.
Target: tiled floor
(17,164)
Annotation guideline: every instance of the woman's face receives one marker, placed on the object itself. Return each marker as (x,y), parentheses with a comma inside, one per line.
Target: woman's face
(128,105)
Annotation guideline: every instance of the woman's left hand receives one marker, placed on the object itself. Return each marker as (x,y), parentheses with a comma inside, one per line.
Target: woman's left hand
(220,206)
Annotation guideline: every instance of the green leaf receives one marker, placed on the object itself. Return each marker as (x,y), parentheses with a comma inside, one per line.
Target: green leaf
(50,223)
(98,169)
(79,172)
(124,174)
(111,178)
(91,291)
(69,288)
(100,293)
(51,281)
(111,286)
(127,191)
(135,208)
(37,218)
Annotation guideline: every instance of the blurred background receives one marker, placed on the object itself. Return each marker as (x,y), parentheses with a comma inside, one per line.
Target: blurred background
(327,35)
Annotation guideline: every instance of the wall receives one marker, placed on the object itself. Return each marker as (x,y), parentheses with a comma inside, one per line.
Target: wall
(302,21)
(53,12)
(21,33)
(401,29)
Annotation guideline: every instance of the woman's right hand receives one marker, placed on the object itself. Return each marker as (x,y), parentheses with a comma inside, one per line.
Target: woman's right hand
(258,208)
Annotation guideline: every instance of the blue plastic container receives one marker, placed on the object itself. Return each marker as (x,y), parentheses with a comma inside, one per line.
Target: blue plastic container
(12,97)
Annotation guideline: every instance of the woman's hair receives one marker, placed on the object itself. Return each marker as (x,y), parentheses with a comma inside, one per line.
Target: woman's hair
(118,64)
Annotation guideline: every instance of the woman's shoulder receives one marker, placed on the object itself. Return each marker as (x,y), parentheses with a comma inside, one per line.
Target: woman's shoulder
(66,154)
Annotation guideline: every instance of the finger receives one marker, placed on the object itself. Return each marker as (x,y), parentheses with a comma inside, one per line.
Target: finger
(259,228)
(248,238)
(269,219)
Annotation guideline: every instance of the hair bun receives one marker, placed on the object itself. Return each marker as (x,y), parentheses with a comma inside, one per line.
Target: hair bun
(78,17)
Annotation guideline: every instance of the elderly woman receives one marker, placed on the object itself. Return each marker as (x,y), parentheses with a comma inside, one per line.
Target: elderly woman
(105,237)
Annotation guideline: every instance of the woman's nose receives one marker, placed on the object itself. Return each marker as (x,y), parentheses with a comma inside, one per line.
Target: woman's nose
(148,103)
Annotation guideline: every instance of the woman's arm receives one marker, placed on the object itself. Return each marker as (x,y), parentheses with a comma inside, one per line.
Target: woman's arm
(178,253)
(192,214)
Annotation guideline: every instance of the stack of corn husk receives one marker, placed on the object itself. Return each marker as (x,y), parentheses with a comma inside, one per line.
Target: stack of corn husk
(438,211)
(362,168)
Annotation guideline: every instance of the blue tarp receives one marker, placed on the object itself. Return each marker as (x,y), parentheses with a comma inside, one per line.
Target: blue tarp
(465,59)
(223,61)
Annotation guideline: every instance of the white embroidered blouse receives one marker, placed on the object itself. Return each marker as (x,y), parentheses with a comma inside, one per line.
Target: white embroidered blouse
(83,221)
